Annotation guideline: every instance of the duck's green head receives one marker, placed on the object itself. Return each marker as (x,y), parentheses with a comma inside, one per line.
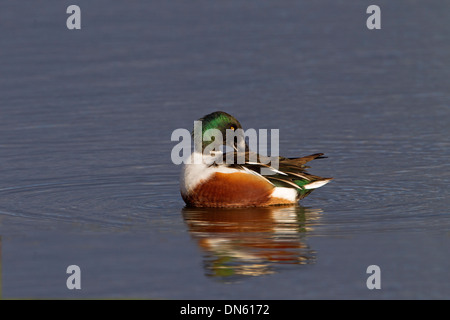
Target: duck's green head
(222,122)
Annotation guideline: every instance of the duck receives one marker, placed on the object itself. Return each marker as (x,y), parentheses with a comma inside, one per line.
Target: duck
(252,181)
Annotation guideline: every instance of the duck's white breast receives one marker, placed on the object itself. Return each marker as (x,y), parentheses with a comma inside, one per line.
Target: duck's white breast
(193,173)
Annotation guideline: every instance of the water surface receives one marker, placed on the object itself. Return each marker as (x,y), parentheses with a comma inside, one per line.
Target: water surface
(86,176)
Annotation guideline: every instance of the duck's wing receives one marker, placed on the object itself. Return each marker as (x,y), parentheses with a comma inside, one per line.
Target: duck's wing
(289,172)
(300,162)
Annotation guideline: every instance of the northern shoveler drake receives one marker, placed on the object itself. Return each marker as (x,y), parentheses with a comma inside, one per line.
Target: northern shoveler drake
(209,183)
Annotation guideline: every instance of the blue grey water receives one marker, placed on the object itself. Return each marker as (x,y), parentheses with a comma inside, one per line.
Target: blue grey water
(86,176)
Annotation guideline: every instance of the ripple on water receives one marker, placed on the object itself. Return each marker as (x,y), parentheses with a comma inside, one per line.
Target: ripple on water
(390,204)
(116,202)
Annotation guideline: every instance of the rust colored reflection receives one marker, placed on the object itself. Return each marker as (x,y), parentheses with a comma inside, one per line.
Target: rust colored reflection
(252,241)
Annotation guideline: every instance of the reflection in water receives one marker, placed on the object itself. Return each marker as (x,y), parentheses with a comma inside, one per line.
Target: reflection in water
(251,241)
